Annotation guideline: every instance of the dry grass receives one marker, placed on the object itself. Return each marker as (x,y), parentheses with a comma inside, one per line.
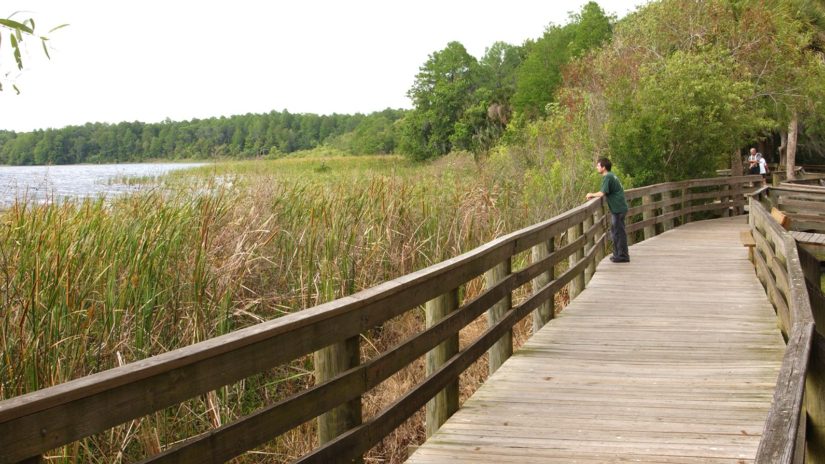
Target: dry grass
(93,285)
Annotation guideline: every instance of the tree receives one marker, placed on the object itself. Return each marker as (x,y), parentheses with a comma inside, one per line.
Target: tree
(684,117)
(498,68)
(443,90)
(806,67)
(761,39)
(540,76)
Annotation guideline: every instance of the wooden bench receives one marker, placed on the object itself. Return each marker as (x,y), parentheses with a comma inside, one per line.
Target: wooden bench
(780,217)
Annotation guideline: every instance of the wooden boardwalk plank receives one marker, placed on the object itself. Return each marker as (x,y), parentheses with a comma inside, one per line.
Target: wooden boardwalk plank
(671,358)
(808,237)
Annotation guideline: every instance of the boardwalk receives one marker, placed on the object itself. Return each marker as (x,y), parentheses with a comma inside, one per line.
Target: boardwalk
(672,358)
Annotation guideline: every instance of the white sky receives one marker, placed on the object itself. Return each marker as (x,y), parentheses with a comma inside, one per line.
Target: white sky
(147,60)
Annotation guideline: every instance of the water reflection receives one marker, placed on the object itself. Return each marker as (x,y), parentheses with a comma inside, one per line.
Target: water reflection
(55,183)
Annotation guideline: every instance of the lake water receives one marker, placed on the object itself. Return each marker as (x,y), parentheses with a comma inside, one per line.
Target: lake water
(55,183)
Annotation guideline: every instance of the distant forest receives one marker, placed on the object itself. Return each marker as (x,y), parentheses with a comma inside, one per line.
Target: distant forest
(250,135)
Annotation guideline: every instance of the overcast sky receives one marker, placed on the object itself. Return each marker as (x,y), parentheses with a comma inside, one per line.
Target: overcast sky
(148,60)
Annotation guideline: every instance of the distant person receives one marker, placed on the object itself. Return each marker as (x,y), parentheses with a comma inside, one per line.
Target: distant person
(617,204)
(753,161)
(763,166)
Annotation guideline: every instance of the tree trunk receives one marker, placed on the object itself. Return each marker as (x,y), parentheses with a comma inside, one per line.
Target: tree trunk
(783,147)
(736,168)
(792,136)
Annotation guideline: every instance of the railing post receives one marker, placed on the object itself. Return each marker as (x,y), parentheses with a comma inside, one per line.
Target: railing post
(605,228)
(628,221)
(329,362)
(725,198)
(666,198)
(591,267)
(601,251)
(648,213)
(544,313)
(737,196)
(815,401)
(445,402)
(685,206)
(503,348)
(577,284)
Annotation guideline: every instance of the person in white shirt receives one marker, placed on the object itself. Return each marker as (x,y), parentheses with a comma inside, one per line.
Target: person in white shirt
(763,165)
(753,161)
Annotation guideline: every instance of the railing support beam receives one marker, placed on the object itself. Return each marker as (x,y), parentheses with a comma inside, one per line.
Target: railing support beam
(725,198)
(737,195)
(576,285)
(329,362)
(502,349)
(544,313)
(648,213)
(815,402)
(666,198)
(591,268)
(445,402)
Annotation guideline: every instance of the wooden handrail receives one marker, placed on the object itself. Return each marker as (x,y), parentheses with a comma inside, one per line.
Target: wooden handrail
(37,422)
(778,267)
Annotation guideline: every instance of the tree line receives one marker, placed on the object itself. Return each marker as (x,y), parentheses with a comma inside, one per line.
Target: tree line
(241,136)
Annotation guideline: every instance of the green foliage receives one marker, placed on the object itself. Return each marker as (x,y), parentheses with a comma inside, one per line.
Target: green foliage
(498,69)
(443,90)
(810,75)
(679,88)
(246,136)
(684,117)
(550,161)
(375,134)
(17,31)
(540,76)
(773,45)
(464,104)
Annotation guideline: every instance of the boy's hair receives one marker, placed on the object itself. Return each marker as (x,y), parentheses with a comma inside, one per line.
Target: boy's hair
(605,163)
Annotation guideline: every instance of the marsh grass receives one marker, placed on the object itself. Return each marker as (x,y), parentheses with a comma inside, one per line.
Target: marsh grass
(90,285)
(133,180)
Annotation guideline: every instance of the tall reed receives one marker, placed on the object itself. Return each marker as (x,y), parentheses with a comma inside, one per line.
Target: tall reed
(90,285)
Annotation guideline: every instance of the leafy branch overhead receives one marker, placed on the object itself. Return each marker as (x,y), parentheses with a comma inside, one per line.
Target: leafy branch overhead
(17,31)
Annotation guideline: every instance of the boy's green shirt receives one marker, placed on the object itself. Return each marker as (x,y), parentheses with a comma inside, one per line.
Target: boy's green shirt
(614,192)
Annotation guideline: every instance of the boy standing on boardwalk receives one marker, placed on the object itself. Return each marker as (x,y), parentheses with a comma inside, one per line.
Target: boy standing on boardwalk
(617,204)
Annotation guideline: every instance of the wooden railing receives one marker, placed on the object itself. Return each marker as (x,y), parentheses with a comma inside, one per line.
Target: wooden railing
(804,175)
(796,408)
(563,252)
(803,204)
(660,207)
